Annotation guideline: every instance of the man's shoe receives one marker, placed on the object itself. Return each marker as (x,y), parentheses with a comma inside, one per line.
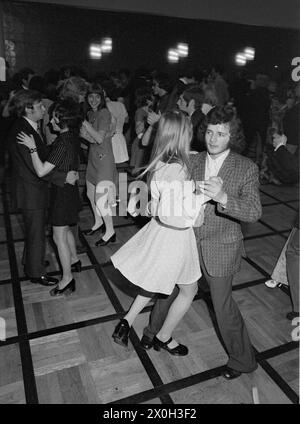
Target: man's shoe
(291,315)
(45,280)
(230,373)
(146,342)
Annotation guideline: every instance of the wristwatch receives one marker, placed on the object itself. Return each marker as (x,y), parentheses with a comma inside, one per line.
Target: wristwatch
(34,149)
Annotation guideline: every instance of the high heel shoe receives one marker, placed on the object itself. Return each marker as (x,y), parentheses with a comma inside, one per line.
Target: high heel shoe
(91,232)
(76,266)
(102,242)
(179,350)
(69,288)
(121,333)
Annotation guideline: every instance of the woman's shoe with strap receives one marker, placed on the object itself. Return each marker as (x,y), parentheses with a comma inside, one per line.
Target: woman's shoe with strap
(179,350)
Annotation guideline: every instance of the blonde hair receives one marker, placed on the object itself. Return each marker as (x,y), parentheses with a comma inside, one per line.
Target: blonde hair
(172,141)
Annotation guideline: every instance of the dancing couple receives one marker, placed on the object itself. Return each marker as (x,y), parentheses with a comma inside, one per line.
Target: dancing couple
(170,253)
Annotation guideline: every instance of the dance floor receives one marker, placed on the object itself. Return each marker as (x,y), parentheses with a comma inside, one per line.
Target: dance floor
(60,350)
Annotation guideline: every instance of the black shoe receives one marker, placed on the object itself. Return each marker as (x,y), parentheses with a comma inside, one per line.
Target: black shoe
(102,242)
(179,350)
(91,232)
(291,315)
(230,373)
(81,249)
(121,333)
(45,280)
(146,342)
(69,288)
(76,267)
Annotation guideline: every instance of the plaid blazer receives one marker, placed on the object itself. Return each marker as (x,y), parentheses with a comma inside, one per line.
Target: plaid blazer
(220,237)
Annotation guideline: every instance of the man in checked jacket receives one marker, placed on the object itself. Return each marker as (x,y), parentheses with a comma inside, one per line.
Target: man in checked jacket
(231,180)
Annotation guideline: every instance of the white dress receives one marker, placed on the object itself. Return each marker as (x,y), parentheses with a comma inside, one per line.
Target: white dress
(164,252)
(119,113)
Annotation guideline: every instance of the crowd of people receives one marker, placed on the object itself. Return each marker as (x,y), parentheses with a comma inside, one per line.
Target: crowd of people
(216,141)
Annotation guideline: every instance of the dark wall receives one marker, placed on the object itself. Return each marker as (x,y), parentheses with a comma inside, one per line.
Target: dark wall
(48,36)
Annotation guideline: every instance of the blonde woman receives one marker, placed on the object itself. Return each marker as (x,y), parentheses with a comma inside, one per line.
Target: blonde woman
(164,252)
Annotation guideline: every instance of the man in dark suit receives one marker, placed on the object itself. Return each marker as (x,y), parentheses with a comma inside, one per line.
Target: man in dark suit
(30,193)
(231,180)
(190,101)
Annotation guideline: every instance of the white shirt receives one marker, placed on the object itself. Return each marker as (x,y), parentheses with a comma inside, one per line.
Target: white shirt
(213,166)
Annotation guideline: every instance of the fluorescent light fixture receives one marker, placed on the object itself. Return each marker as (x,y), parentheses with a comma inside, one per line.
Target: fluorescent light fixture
(173,56)
(106,45)
(95,51)
(182,49)
(249,53)
(240,59)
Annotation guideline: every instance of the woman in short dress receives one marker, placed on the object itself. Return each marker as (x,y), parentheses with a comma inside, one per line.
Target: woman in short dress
(164,252)
(101,173)
(65,202)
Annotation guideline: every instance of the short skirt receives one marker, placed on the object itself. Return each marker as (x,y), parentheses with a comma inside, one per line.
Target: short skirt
(64,205)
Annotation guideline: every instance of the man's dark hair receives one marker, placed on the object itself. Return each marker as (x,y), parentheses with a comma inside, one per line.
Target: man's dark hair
(227,115)
(194,92)
(164,81)
(23,99)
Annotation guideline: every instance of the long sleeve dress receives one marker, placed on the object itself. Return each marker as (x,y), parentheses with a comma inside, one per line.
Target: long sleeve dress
(64,201)
(101,163)
(164,252)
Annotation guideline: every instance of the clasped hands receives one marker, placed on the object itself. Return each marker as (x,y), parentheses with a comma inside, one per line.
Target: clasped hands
(153,117)
(213,188)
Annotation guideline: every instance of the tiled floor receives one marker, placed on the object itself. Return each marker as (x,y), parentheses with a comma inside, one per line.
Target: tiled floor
(60,350)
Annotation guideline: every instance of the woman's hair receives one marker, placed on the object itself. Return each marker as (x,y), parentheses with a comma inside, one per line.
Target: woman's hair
(227,115)
(172,141)
(73,87)
(68,112)
(95,88)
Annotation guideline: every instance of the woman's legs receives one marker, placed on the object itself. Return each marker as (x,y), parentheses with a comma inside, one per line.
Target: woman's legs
(103,207)
(138,304)
(72,246)
(177,310)
(91,194)
(60,237)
